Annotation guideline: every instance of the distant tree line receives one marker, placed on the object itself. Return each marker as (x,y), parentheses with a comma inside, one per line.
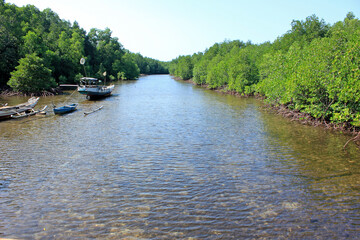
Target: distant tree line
(38,50)
(313,68)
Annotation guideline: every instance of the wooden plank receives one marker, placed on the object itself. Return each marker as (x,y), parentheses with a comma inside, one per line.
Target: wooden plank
(87,113)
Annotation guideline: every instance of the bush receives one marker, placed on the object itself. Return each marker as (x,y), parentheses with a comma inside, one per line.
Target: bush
(31,76)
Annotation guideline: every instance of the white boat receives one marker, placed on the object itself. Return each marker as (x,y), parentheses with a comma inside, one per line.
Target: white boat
(7,111)
(92,88)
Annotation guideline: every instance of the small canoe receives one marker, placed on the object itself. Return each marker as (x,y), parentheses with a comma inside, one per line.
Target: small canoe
(65,109)
(6,111)
(29,113)
(24,114)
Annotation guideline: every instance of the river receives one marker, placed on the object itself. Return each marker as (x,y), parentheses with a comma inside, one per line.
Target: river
(165,159)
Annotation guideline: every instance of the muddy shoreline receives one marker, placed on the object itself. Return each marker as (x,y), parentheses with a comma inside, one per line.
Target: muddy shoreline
(8,92)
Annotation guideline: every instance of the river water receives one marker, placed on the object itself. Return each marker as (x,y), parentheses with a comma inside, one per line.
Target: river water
(168,160)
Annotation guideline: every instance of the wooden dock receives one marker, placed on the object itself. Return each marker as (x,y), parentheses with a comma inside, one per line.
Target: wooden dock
(68,86)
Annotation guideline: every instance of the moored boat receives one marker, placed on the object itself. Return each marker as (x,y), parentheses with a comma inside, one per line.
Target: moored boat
(65,109)
(31,112)
(92,88)
(7,111)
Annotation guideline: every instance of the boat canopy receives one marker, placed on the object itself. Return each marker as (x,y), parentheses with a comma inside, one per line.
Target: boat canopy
(89,79)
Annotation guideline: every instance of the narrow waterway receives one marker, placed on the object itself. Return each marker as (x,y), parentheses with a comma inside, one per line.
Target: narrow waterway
(168,160)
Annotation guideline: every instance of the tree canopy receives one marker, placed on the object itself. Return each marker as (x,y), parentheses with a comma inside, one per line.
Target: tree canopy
(31,75)
(312,68)
(59,45)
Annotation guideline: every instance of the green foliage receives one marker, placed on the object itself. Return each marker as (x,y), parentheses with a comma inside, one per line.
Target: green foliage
(132,71)
(8,54)
(121,76)
(182,67)
(303,32)
(313,68)
(185,68)
(217,74)
(200,72)
(31,75)
(78,77)
(107,50)
(243,72)
(148,65)
(321,78)
(27,30)
(230,65)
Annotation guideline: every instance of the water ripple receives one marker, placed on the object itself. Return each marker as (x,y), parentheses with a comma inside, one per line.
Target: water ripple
(167,160)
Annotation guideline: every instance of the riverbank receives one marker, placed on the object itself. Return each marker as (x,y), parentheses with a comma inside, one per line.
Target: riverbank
(8,92)
(294,115)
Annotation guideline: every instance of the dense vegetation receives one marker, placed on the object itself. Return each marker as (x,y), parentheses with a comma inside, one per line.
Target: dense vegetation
(38,50)
(313,68)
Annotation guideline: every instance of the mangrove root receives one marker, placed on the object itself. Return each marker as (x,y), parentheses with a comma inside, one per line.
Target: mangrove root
(354,139)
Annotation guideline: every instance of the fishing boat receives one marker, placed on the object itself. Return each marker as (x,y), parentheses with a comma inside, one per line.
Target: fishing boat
(93,88)
(65,109)
(31,112)
(7,111)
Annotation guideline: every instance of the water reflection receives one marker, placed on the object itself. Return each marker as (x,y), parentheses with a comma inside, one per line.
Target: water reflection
(167,160)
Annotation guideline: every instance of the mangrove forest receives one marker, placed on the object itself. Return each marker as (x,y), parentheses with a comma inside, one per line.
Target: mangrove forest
(313,68)
(39,50)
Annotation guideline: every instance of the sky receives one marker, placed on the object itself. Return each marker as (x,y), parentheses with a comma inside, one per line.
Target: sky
(166,29)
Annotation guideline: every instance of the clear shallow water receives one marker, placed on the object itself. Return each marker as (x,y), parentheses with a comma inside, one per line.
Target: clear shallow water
(167,160)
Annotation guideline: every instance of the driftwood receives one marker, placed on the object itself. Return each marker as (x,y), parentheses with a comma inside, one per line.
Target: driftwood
(87,113)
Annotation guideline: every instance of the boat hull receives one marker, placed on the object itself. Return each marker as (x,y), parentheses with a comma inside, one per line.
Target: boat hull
(8,111)
(96,92)
(65,109)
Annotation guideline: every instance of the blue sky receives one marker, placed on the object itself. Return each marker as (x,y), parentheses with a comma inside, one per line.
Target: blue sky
(165,29)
